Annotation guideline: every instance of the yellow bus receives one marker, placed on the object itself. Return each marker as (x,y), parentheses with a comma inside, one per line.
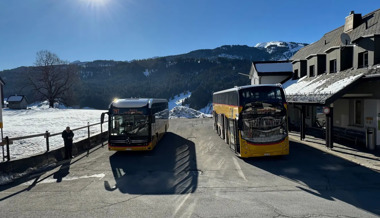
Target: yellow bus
(136,124)
(252,120)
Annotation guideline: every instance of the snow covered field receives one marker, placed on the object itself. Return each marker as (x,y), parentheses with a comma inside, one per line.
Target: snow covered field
(40,118)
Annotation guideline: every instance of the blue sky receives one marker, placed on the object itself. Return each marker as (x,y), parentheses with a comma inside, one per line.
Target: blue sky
(121,30)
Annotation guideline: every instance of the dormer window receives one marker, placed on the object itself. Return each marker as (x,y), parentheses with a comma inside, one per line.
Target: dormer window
(295,74)
(312,71)
(363,59)
(332,67)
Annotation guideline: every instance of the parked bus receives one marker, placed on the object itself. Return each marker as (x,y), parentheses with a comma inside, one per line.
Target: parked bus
(136,124)
(252,120)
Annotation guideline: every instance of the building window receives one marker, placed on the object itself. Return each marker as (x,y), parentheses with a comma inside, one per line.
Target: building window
(363,59)
(311,70)
(295,74)
(333,66)
(358,112)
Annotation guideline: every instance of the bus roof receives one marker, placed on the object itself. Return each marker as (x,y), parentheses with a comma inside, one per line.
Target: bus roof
(136,102)
(237,88)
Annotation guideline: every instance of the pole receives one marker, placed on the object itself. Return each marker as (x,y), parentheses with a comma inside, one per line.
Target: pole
(329,128)
(88,130)
(303,117)
(47,134)
(101,133)
(2,147)
(8,154)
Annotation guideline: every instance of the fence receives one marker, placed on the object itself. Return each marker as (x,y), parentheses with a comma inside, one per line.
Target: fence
(8,141)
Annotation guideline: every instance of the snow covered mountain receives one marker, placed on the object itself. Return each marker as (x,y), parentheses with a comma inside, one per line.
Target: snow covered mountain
(280,50)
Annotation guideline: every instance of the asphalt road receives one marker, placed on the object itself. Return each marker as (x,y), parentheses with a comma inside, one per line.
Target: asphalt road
(192,173)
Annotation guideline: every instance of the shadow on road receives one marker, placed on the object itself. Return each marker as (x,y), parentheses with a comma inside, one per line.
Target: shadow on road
(171,168)
(326,176)
(63,171)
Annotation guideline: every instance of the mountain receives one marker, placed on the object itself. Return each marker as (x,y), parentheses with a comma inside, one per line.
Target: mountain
(280,50)
(200,72)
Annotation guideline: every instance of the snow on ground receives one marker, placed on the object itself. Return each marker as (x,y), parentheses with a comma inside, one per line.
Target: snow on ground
(178,99)
(39,119)
(185,112)
(207,109)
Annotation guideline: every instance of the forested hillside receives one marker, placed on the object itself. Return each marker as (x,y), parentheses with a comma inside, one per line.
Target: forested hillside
(200,72)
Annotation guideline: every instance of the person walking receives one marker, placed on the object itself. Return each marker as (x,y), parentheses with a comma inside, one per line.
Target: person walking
(68,136)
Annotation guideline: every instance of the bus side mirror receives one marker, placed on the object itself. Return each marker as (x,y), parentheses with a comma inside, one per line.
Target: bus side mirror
(102,118)
(153,119)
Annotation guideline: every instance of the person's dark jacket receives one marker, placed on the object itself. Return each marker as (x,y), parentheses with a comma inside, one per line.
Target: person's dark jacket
(68,136)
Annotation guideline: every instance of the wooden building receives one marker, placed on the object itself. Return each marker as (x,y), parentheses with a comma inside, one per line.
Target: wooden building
(17,102)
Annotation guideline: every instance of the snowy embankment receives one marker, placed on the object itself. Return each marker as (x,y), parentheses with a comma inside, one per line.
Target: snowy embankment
(178,110)
(185,112)
(39,119)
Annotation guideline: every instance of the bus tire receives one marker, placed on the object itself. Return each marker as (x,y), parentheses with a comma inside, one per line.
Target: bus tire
(222,132)
(226,136)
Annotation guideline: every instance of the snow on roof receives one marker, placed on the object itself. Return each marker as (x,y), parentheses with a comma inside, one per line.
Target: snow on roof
(15,98)
(136,102)
(245,87)
(320,88)
(274,67)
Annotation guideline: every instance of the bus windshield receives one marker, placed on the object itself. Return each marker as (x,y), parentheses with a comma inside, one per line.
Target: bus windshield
(267,94)
(129,125)
(263,115)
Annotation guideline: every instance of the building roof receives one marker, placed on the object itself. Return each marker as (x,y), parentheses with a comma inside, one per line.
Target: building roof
(136,102)
(237,88)
(326,88)
(15,98)
(369,26)
(271,68)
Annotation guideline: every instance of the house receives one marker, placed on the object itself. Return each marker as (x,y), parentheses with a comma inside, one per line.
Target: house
(270,72)
(339,76)
(17,102)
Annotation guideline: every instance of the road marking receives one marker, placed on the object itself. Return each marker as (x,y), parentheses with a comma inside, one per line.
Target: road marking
(52,180)
(240,172)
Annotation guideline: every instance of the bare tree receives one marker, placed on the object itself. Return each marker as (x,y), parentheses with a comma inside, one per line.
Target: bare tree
(52,78)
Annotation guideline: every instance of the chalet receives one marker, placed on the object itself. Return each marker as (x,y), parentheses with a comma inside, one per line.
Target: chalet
(339,75)
(270,72)
(17,102)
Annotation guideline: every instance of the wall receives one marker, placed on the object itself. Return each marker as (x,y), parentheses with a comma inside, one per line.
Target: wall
(255,78)
(301,66)
(272,79)
(312,61)
(50,158)
(341,113)
(368,87)
(334,54)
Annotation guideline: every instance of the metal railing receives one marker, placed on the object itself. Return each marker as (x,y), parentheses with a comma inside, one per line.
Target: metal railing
(8,141)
